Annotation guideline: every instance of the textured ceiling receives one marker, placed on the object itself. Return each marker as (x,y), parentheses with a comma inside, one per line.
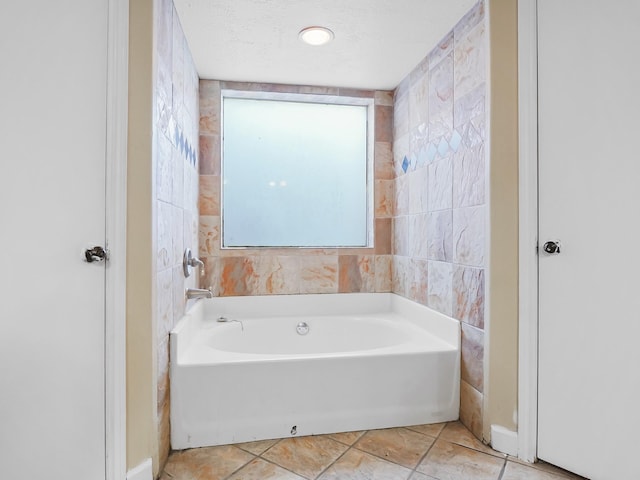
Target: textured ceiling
(377,42)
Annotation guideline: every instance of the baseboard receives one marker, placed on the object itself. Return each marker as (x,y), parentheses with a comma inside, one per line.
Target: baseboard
(504,440)
(144,471)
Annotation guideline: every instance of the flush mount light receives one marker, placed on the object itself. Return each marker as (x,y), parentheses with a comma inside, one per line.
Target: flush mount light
(316,35)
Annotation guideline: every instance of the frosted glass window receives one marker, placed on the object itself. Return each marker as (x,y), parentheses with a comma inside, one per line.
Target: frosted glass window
(294,174)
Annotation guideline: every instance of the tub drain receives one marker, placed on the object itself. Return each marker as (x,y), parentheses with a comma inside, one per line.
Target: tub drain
(294,430)
(302,328)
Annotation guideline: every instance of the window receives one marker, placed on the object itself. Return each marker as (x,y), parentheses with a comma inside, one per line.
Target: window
(296,170)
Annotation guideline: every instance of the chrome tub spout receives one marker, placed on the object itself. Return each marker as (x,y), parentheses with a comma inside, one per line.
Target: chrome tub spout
(192,293)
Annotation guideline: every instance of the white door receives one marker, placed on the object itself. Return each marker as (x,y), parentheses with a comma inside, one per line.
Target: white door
(589,181)
(52,206)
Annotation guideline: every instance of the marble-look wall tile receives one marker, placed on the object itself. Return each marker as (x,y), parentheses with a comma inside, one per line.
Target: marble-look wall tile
(418,280)
(383,97)
(440,235)
(175,158)
(355,92)
(179,169)
(383,161)
(384,198)
(400,236)
(164,170)
(440,287)
(383,273)
(468,291)
(209,235)
(190,232)
(470,61)
(210,107)
(418,235)
(401,109)
(440,189)
(470,20)
(356,273)
(237,276)
(276,275)
(401,206)
(470,105)
(419,98)
(400,272)
(400,152)
(319,274)
(209,154)
(177,59)
(179,285)
(439,151)
(209,199)
(164,236)
(164,303)
(418,188)
(472,356)
(177,235)
(441,99)
(469,177)
(212,275)
(442,50)
(383,236)
(384,124)
(468,236)
(471,408)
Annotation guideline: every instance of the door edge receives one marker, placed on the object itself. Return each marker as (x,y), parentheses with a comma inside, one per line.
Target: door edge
(115,228)
(528,231)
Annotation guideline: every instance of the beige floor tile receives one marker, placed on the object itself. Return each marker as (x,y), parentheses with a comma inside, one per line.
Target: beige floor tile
(258,447)
(306,456)
(398,445)
(357,465)
(348,438)
(420,476)
(517,471)
(455,432)
(547,467)
(260,469)
(432,429)
(210,463)
(448,461)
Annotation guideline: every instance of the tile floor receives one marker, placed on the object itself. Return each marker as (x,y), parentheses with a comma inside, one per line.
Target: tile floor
(446,451)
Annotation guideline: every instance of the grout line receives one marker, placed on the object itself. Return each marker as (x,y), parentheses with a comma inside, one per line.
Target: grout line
(342,455)
(284,468)
(504,467)
(241,466)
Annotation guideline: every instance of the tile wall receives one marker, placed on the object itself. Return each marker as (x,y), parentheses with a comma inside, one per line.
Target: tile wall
(175,160)
(439,163)
(293,271)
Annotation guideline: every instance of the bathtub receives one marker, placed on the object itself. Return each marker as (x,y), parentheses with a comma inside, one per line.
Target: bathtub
(366,361)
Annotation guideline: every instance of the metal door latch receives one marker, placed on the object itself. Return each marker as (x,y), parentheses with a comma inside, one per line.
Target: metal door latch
(95,254)
(552,247)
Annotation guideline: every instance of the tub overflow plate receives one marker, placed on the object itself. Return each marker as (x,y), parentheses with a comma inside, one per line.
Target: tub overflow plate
(302,328)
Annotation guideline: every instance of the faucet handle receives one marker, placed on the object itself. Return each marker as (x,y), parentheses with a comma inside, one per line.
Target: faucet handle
(188,261)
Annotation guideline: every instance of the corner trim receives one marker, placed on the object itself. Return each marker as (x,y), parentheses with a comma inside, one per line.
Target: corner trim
(528,230)
(504,440)
(144,471)
(115,228)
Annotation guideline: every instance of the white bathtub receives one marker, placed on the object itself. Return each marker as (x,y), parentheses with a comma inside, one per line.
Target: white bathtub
(368,361)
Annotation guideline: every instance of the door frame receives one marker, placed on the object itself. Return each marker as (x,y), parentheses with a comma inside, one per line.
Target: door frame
(115,229)
(528,230)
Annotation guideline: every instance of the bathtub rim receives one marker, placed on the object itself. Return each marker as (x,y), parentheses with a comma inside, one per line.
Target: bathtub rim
(442,327)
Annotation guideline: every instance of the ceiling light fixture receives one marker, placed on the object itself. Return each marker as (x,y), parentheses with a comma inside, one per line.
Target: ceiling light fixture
(316,35)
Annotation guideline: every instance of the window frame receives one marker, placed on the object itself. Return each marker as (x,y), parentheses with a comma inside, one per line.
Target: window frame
(368,102)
